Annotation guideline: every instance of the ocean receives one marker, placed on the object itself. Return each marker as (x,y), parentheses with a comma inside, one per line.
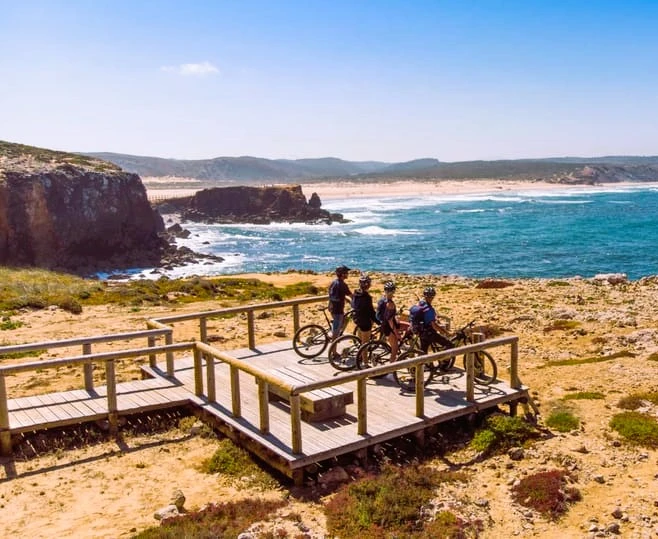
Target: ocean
(561,232)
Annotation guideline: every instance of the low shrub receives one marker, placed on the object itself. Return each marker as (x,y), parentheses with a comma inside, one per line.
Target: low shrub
(500,432)
(562,420)
(584,395)
(216,520)
(388,504)
(637,400)
(636,428)
(236,463)
(546,492)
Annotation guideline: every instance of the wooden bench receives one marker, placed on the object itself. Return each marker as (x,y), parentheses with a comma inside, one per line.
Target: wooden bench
(316,405)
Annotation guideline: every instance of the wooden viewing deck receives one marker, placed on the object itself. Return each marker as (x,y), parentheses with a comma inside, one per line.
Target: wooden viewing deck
(318,414)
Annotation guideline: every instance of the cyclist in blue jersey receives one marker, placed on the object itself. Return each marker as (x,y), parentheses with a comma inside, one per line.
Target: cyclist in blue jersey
(430,332)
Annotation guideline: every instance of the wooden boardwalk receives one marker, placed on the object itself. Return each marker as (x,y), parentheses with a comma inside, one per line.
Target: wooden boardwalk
(235,401)
(391,412)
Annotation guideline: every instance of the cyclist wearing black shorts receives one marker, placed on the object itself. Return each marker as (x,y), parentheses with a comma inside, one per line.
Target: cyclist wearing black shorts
(431,329)
(387,316)
(364,311)
(338,290)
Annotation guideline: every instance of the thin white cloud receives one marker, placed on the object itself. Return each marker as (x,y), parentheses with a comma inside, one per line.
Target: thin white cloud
(192,70)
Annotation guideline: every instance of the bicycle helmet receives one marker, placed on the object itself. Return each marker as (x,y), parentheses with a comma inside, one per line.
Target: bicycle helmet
(364,280)
(429,292)
(342,270)
(389,286)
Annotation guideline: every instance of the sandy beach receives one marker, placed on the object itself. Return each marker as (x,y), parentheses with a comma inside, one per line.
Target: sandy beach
(160,190)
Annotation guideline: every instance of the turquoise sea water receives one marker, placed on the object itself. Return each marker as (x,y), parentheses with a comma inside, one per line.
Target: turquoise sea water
(556,233)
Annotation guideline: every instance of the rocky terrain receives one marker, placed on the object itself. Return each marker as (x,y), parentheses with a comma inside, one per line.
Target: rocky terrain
(576,335)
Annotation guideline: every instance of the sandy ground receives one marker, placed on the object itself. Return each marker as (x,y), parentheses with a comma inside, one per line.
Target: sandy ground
(113,489)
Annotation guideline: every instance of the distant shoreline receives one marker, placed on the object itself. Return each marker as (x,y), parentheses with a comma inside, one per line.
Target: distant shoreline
(413,188)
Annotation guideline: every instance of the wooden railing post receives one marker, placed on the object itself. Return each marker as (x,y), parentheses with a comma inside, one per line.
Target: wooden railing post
(169,339)
(210,377)
(263,405)
(295,318)
(296,424)
(419,379)
(470,375)
(88,368)
(361,407)
(235,391)
(5,434)
(515,382)
(203,329)
(152,359)
(198,374)
(112,406)
(250,329)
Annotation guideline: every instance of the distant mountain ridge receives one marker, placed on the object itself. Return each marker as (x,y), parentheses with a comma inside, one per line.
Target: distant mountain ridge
(248,169)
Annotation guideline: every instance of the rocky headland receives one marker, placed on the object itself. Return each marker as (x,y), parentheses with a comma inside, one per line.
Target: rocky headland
(245,204)
(67,212)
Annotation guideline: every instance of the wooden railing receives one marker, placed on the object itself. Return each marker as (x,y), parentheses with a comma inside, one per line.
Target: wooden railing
(204,316)
(87,342)
(263,379)
(86,360)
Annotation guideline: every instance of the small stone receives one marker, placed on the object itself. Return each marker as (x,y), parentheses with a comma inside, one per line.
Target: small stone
(613,528)
(481,502)
(166,512)
(617,513)
(516,453)
(178,499)
(599,478)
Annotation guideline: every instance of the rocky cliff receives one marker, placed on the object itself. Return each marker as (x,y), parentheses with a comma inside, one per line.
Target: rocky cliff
(67,212)
(245,204)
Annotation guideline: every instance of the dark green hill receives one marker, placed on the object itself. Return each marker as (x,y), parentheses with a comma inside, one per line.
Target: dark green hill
(247,169)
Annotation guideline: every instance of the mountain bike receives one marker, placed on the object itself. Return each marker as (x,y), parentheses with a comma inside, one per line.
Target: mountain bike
(378,352)
(311,340)
(344,352)
(485,369)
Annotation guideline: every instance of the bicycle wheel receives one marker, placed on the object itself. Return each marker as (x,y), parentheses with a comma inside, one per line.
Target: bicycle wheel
(343,352)
(485,369)
(372,354)
(405,377)
(310,341)
(443,365)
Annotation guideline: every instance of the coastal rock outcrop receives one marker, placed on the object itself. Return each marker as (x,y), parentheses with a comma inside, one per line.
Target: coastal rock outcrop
(245,204)
(66,212)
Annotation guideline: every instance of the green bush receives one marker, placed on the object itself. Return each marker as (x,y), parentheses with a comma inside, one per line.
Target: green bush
(562,420)
(500,432)
(584,395)
(636,428)
(237,464)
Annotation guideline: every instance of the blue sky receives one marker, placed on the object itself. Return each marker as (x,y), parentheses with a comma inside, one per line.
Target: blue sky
(360,80)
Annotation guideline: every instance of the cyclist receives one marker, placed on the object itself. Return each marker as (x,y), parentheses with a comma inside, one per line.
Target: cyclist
(364,311)
(387,316)
(431,330)
(338,290)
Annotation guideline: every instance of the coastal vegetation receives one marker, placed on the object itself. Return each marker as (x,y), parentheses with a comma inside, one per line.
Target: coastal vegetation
(37,289)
